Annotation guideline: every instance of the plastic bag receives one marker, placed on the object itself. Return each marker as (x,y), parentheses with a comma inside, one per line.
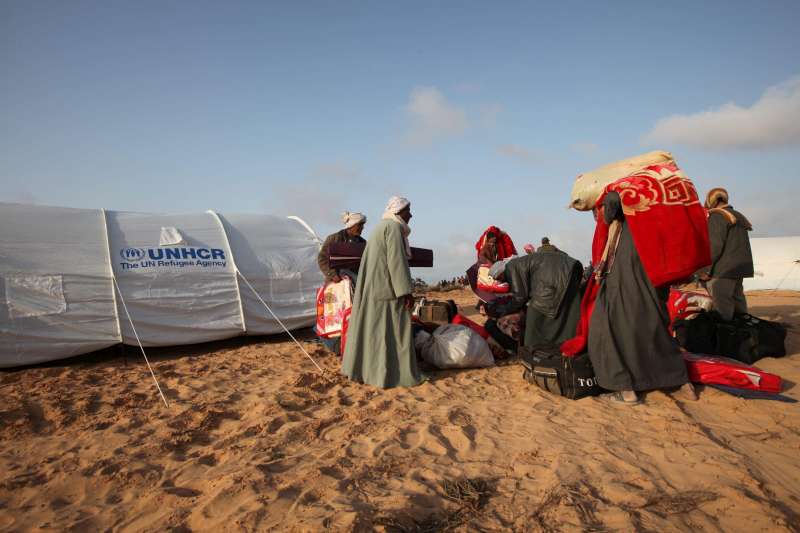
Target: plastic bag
(334,302)
(454,346)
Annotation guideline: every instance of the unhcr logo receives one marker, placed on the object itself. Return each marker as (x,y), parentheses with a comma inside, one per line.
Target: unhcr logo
(178,257)
(132,255)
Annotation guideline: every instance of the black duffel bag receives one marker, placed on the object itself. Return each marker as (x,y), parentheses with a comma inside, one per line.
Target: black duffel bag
(749,338)
(699,333)
(745,338)
(548,369)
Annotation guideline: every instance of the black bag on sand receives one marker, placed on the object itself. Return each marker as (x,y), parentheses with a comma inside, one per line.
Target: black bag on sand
(748,338)
(745,338)
(698,334)
(548,369)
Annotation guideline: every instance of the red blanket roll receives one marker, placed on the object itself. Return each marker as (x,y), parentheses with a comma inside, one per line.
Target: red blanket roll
(667,222)
(713,370)
(669,229)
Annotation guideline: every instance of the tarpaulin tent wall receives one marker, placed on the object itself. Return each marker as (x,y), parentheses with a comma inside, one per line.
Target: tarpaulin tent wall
(176,275)
(775,262)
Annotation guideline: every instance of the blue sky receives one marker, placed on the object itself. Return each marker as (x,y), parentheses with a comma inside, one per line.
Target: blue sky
(479,113)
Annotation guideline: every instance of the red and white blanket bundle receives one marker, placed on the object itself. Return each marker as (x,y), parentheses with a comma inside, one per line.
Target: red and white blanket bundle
(669,229)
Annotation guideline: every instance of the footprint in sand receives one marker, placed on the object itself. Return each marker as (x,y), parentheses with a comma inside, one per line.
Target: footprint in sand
(183,492)
(208,460)
(410,438)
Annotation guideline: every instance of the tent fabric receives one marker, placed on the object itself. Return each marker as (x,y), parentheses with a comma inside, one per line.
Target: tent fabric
(57,297)
(776,264)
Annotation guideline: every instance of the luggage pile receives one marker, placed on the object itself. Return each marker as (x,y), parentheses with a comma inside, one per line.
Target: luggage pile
(446,339)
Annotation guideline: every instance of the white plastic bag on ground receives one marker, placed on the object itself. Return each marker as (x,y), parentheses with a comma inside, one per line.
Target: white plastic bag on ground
(454,346)
(589,185)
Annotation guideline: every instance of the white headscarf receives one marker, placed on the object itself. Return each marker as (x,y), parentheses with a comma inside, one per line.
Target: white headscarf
(352,219)
(397,204)
(394,206)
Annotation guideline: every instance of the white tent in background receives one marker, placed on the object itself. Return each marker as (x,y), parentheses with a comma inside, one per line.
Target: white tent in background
(776,263)
(182,278)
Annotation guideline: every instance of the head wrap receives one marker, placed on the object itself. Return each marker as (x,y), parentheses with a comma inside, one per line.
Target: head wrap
(716,196)
(529,249)
(352,219)
(397,204)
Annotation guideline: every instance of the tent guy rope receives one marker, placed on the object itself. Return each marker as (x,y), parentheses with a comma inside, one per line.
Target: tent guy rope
(130,321)
(279,320)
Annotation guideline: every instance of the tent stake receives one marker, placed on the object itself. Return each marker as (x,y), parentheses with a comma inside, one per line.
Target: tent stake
(279,321)
(130,321)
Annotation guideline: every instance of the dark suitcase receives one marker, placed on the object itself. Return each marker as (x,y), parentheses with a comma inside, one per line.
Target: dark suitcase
(548,369)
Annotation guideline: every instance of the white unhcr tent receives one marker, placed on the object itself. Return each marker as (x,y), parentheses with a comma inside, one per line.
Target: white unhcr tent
(181,278)
(776,264)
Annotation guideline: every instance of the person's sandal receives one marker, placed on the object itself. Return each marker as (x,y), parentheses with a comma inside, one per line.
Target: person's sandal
(618,398)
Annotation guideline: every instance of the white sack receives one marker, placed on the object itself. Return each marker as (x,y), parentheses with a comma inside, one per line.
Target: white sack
(589,185)
(455,346)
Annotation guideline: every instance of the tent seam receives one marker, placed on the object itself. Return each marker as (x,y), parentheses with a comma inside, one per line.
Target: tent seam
(111,273)
(235,268)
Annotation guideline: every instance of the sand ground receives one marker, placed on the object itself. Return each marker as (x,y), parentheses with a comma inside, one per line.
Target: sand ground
(256,438)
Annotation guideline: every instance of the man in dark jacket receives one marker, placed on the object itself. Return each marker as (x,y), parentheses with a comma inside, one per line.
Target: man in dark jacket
(547,285)
(731,258)
(353,226)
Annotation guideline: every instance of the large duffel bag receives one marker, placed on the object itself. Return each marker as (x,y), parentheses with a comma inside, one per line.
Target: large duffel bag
(745,338)
(548,369)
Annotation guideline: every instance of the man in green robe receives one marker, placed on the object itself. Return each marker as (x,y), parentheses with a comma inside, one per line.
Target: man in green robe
(379,348)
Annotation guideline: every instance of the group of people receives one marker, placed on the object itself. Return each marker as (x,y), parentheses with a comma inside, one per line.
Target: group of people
(629,343)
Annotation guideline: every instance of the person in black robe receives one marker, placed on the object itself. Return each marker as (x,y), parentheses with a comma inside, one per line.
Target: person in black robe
(629,343)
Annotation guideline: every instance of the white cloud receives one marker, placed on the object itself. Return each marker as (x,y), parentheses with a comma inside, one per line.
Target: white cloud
(515,151)
(433,117)
(771,122)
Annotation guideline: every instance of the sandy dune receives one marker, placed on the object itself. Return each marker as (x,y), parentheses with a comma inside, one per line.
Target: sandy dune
(256,439)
